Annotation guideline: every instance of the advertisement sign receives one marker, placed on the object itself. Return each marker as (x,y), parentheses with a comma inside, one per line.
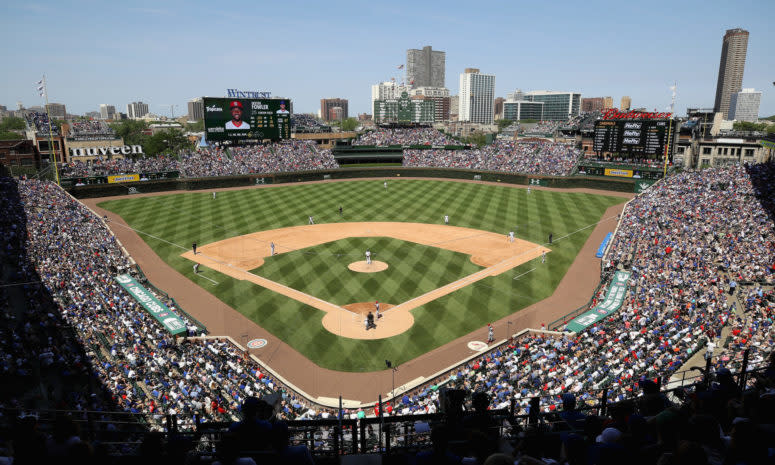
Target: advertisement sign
(242,120)
(618,173)
(643,184)
(151,304)
(612,303)
(123,178)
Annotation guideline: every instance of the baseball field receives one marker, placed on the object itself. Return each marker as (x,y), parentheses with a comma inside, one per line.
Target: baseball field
(435,282)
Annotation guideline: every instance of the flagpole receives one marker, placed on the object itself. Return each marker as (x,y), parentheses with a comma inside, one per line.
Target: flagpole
(50,134)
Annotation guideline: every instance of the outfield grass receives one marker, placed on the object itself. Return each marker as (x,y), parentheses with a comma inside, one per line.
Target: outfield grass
(413,270)
(177,220)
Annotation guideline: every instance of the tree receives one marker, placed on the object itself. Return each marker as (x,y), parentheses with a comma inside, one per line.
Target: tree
(171,140)
(349,124)
(131,131)
(196,126)
(10,135)
(12,122)
(503,124)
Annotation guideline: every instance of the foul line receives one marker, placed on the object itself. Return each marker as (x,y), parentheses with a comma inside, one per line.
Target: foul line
(159,239)
(523,274)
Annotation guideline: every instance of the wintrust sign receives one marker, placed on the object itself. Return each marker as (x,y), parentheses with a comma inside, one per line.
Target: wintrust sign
(97,151)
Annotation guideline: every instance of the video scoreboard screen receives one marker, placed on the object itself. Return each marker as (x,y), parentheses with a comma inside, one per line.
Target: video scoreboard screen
(643,137)
(236,121)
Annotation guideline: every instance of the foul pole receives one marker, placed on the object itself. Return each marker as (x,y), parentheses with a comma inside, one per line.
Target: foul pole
(51,135)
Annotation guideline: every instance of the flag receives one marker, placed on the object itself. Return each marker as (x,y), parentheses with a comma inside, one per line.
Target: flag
(41,88)
(400,66)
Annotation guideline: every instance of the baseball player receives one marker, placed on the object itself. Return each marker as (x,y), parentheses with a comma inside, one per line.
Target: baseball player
(214,195)
(196,268)
(528,189)
(368,257)
(271,248)
(490,333)
(511,236)
(550,238)
(385,184)
(193,247)
(311,220)
(376,306)
(543,257)
(340,210)
(446,219)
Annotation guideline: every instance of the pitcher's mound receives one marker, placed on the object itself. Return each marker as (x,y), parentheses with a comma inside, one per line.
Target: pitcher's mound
(362,267)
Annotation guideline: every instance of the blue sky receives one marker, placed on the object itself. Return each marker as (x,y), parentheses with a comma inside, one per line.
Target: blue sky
(169,52)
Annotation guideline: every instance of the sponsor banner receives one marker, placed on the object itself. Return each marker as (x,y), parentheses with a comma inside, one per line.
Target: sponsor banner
(257,343)
(171,322)
(612,303)
(618,173)
(601,249)
(123,178)
(538,182)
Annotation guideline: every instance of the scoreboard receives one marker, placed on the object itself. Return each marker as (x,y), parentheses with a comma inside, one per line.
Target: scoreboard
(237,121)
(636,137)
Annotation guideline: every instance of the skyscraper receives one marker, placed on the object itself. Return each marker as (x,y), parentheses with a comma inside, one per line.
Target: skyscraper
(107,111)
(425,68)
(136,110)
(327,104)
(731,67)
(626,103)
(477,94)
(196,109)
(744,105)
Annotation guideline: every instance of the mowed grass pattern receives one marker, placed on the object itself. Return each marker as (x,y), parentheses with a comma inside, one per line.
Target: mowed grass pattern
(170,223)
(413,270)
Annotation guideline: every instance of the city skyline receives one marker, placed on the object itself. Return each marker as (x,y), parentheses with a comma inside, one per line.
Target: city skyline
(159,63)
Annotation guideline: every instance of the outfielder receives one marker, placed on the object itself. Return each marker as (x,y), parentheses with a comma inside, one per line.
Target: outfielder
(528,189)
(368,257)
(385,184)
(214,195)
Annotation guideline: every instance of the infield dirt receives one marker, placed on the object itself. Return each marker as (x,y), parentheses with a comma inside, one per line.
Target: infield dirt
(236,256)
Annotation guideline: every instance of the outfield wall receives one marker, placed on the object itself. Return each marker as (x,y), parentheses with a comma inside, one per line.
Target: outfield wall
(192,184)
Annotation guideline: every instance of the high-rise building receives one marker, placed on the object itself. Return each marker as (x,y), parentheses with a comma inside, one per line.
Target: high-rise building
(425,68)
(326,104)
(136,110)
(730,69)
(477,93)
(626,103)
(608,103)
(558,106)
(439,95)
(498,107)
(56,110)
(591,104)
(744,105)
(196,109)
(454,107)
(107,111)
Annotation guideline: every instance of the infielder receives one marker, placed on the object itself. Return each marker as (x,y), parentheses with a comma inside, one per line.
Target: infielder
(271,248)
(311,220)
(511,236)
(446,219)
(368,257)
(196,268)
(543,257)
